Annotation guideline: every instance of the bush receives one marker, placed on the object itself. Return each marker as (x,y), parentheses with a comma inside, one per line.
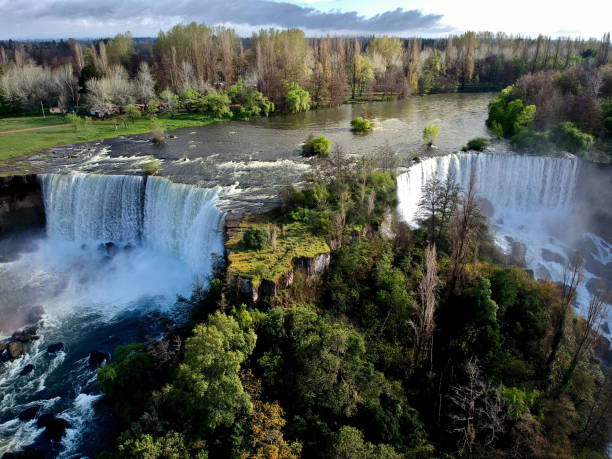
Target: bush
(477,144)
(316,146)
(255,238)
(132,112)
(250,103)
(159,135)
(76,121)
(508,116)
(214,105)
(566,135)
(532,142)
(152,167)
(430,134)
(360,124)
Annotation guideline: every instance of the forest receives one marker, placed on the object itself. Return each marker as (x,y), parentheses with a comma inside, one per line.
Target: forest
(194,59)
(413,343)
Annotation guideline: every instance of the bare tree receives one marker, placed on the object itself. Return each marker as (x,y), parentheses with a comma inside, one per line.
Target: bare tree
(587,333)
(465,228)
(572,278)
(424,324)
(478,415)
(144,84)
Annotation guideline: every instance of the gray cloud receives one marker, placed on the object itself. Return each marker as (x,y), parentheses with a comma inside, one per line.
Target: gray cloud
(40,16)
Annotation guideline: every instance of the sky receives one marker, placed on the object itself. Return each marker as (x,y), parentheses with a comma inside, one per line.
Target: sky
(32,19)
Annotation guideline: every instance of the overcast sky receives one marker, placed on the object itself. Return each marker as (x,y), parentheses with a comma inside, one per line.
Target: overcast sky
(21,19)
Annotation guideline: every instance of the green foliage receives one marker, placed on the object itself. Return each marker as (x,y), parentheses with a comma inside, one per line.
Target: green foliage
(207,391)
(146,446)
(430,134)
(132,112)
(297,99)
(152,167)
(125,380)
(190,99)
(567,136)
(316,146)
(248,103)
(214,105)
(153,106)
(433,68)
(170,99)
(77,122)
(255,238)
(532,142)
(477,144)
(349,443)
(519,401)
(508,116)
(361,125)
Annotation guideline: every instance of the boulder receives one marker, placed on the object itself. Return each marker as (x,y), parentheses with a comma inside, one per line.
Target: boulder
(97,358)
(26,335)
(27,370)
(29,413)
(549,255)
(517,254)
(15,349)
(55,428)
(605,328)
(55,347)
(598,285)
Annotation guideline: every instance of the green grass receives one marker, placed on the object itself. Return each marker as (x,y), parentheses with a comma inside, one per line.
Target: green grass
(22,143)
(270,264)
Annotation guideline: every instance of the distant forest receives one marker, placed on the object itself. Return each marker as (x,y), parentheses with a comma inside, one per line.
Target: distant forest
(333,70)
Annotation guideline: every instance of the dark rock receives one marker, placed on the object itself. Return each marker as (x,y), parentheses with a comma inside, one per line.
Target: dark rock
(96,358)
(486,207)
(549,255)
(543,273)
(29,413)
(517,254)
(55,428)
(27,370)
(15,349)
(597,285)
(56,347)
(603,350)
(26,335)
(605,328)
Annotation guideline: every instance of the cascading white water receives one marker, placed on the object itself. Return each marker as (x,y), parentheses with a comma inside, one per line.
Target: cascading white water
(512,183)
(180,220)
(534,203)
(97,297)
(183,220)
(91,207)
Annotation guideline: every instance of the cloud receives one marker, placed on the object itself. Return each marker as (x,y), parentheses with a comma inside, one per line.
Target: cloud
(86,15)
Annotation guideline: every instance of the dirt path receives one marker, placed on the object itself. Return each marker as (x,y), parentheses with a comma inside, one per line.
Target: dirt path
(31,129)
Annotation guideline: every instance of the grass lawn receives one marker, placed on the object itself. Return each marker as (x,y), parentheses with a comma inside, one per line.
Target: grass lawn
(294,242)
(58,133)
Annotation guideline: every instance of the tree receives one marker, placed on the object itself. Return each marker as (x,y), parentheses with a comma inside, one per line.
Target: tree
(207,390)
(430,134)
(438,203)
(144,85)
(297,100)
(349,444)
(215,105)
(465,228)
(424,325)
(255,238)
(132,112)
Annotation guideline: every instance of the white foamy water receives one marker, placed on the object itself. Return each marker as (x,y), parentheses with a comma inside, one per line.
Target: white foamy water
(533,199)
(165,237)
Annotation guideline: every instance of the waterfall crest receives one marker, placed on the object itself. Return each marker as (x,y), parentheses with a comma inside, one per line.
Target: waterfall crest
(180,220)
(92,207)
(514,183)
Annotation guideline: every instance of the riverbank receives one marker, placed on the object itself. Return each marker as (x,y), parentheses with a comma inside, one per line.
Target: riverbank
(17,138)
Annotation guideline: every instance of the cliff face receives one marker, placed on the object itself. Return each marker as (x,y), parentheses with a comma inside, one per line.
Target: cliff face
(21,204)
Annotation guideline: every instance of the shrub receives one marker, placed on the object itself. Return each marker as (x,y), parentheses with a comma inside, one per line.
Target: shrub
(430,134)
(566,135)
(159,136)
(250,103)
(360,124)
(477,144)
(532,142)
(132,112)
(215,105)
(316,146)
(255,238)
(76,121)
(508,116)
(297,100)
(152,167)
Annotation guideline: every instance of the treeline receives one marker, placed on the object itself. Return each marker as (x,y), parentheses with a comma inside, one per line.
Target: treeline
(420,345)
(331,69)
(569,110)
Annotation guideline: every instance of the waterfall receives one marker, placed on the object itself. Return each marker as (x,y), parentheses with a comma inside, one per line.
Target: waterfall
(183,220)
(512,183)
(91,207)
(179,220)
